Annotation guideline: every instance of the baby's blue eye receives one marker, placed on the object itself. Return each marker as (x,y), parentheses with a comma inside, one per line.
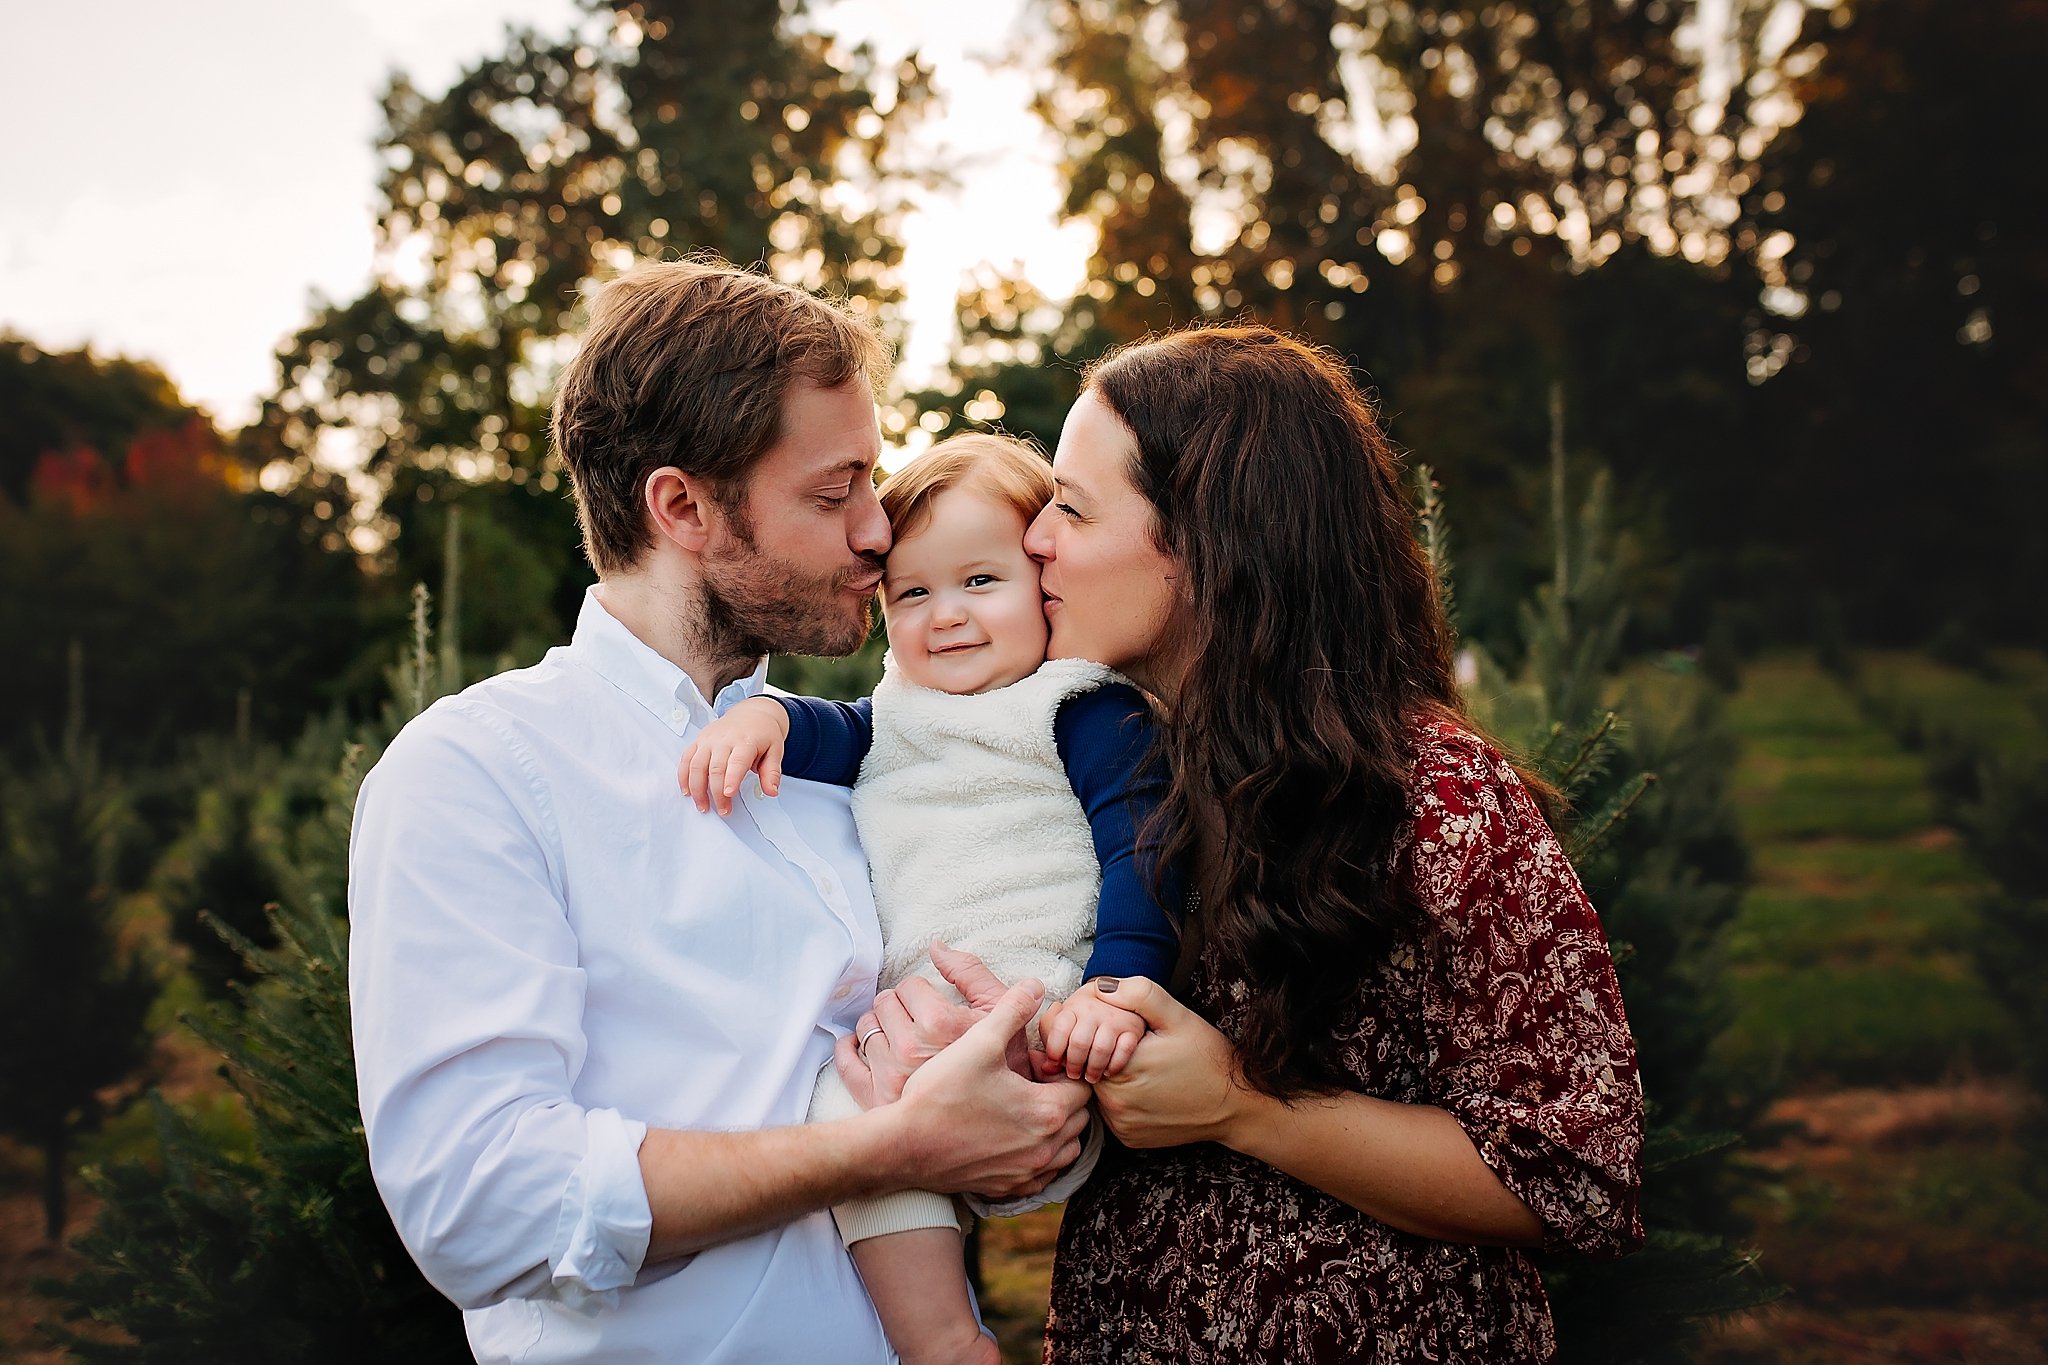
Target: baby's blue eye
(909,593)
(980,580)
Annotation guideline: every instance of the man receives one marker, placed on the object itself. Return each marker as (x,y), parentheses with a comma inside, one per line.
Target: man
(588,1018)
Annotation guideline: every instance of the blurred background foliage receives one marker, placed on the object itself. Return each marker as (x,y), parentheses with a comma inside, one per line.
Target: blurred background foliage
(1740,304)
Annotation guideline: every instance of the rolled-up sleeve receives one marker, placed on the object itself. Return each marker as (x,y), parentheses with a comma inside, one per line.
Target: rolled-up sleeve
(467,1002)
(1529,1046)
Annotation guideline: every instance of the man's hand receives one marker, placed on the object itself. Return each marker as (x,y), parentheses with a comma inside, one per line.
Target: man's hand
(1089,1035)
(916,1023)
(748,738)
(969,975)
(975,1125)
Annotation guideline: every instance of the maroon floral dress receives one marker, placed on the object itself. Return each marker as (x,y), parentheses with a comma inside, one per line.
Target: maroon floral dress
(1503,1010)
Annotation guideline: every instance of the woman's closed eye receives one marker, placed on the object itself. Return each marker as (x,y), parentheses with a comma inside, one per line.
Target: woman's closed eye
(1066,510)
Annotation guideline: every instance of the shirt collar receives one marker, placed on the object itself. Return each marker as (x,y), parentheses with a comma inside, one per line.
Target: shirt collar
(604,645)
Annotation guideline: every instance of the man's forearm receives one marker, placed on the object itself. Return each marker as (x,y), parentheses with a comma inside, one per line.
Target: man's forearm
(704,1188)
(965,1122)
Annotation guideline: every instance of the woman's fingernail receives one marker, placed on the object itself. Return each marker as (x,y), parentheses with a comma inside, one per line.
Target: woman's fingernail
(1106,986)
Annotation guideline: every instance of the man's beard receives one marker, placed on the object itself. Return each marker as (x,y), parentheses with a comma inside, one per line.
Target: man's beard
(756,604)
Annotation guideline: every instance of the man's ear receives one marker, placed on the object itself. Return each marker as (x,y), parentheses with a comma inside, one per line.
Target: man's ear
(681,508)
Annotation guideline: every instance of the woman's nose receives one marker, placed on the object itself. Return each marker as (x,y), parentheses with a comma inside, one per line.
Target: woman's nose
(1038,535)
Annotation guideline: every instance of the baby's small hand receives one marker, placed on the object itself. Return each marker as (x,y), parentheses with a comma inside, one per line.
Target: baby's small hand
(748,738)
(1089,1034)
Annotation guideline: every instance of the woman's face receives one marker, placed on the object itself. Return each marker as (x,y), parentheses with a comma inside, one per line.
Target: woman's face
(1110,592)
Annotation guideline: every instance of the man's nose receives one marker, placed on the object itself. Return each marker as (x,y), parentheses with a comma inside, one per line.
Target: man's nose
(867,527)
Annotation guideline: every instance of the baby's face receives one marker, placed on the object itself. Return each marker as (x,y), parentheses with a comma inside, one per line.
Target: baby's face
(961,599)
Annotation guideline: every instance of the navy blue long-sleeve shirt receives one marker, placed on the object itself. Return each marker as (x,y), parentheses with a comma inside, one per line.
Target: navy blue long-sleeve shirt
(1104,737)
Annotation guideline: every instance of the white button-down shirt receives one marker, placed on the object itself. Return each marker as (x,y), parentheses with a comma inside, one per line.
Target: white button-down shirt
(552,951)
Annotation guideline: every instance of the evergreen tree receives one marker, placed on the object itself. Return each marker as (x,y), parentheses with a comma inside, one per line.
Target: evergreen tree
(1999,800)
(224,866)
(1653,834)
(73,1000)
(276,1247)
(2005,827)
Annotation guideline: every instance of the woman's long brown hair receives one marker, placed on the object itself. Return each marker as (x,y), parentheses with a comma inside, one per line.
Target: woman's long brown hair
(1316,640)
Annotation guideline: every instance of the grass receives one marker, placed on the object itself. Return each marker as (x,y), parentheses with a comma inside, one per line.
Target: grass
(1900,1211)
(1790,927)
(2005,706)
(1934,859)
(1850,959)
(1804,1028)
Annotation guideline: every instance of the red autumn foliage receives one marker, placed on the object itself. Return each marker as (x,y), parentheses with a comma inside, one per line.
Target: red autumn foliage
(76,480)
(186,455)
(179,461)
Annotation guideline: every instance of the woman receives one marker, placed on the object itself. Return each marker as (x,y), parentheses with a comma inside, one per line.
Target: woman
(1394,1055)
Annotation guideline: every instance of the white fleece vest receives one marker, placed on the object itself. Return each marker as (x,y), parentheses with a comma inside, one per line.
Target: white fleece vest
(973,832)
(973,835)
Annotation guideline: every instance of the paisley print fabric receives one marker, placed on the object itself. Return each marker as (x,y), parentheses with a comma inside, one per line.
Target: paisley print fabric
(1501,1009)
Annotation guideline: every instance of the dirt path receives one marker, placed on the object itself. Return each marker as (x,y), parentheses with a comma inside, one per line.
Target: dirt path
(26,1256)
(185,1071)
(1891,1199)
(1895,1216)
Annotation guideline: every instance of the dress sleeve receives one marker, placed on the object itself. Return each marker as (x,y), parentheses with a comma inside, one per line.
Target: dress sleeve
(827,739)
(1529,1048)
(1104,739)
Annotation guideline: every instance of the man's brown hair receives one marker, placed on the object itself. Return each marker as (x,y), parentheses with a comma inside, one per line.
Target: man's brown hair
(1002,467)
(687,363)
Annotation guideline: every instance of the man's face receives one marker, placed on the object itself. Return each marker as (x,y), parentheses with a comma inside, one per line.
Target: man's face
(794,564)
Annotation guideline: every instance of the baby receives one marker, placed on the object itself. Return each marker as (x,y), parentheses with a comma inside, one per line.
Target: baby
(998,798)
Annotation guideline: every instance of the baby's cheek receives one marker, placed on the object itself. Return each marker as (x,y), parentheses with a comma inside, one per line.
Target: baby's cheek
(902,625)
(1032,626)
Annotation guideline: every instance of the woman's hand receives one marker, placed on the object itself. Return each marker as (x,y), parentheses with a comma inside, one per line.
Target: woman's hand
(1409,1165)
(1181,1085)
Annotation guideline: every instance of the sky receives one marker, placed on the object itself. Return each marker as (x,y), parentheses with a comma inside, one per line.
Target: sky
(186,179)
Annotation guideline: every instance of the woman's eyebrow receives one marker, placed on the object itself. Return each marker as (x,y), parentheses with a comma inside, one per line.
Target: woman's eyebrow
(1069,487)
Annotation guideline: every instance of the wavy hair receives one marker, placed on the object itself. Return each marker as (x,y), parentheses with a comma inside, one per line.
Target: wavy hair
(1316,639)
(687,363)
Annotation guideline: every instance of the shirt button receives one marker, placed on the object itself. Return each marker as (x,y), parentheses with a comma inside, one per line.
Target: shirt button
(842,992)
(678,716)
